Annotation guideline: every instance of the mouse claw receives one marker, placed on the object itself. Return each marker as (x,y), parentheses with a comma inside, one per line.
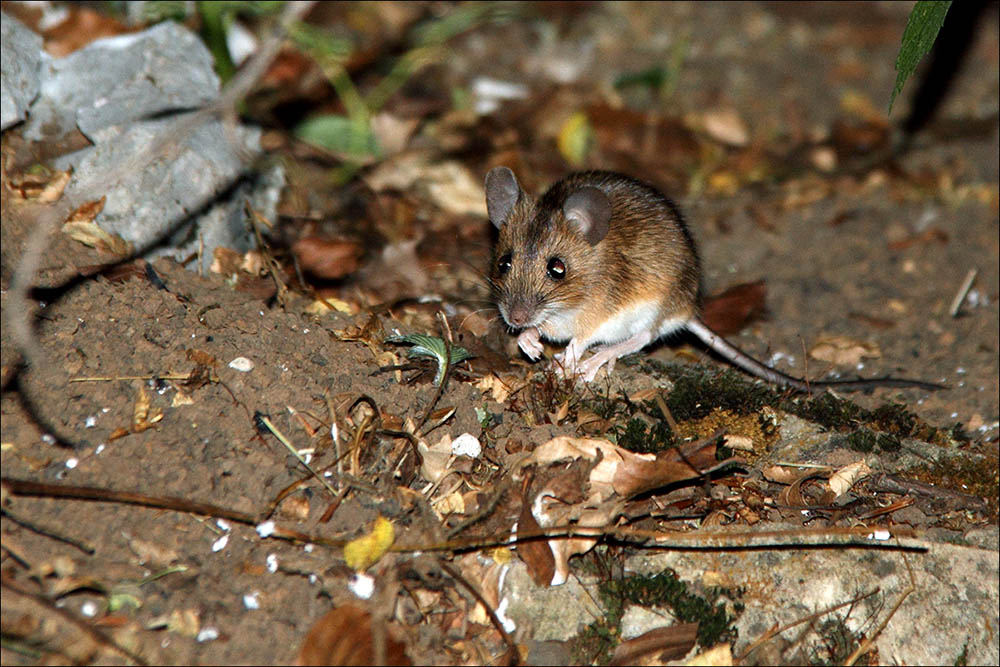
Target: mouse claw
(530,343)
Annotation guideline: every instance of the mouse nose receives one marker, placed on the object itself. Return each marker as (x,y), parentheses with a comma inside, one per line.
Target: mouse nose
(519,315)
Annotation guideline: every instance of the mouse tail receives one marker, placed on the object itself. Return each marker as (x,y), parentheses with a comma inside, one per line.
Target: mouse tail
(737,357)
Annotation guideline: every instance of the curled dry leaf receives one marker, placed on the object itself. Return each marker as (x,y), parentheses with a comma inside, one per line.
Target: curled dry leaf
(88,211)
(502,388)
(536,554)
(45,187)
(660,645)
(842,350)
(842,480)
(613,475)
(89,234)
(344,637)
(143,416)
(327,258)
(436,458)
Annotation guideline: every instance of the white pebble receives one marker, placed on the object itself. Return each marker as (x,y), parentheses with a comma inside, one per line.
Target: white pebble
(241,364)
(251,600)
(220,543)
(466,445)
(362,586)
(207,634)
(88,609)
(272,563)
(72,463)
(265,529)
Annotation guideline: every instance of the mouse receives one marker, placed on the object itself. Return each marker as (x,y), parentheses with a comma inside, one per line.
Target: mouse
(605,263)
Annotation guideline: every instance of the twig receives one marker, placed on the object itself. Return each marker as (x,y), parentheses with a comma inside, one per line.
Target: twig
(86,627)
(773,632)
(47,532)
(956,303)
(671,422)
(281,437)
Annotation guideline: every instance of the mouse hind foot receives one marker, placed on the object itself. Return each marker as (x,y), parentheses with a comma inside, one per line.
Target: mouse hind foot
(586,370)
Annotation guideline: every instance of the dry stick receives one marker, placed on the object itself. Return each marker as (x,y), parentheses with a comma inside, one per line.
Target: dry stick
(20,487)
(867,643)
(19,313)
(457,576)
(84,626)
(773,632)
(48,532)
(798,537)
(281,438)
(956,303)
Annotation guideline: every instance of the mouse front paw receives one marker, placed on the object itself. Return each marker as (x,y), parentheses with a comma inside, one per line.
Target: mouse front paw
(530,343)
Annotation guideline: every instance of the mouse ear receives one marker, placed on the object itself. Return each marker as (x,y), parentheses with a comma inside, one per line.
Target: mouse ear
(589,210)
(502,193)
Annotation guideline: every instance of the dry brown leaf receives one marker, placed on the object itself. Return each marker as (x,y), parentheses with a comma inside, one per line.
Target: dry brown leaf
(660,645)
(225,261)
(502,388)
(87,212)
(44,187)
(842,480)
(842,350)
(89,234)
(436,458)
(536,554)
(781,474)
(344,637)
(327,258)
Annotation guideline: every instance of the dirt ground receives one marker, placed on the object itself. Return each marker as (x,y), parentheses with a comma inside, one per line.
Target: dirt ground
(875,257)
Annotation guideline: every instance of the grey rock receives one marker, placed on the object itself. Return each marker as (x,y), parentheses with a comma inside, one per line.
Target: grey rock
(155,204)
(547,613)
(20,60)
(117,80)
(952,609)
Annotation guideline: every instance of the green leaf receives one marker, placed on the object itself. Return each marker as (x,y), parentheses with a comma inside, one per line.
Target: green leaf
(922,29)
(431,347)
(339,134)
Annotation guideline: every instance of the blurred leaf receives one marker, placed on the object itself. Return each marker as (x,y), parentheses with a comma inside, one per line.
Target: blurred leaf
(465,17)
(327,258)
(653,78)
(339,134)
(576,136)
(344,637)
(728,312)
(922,28)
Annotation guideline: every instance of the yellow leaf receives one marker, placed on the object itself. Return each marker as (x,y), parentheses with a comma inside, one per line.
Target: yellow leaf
(362,553)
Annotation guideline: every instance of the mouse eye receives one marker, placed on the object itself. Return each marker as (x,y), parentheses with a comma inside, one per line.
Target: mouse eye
(503,265)
(556,269)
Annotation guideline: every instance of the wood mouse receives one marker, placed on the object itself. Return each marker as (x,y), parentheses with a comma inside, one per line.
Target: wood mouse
(602,261)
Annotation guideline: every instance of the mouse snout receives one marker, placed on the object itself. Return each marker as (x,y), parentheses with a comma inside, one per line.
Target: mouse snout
(520,314)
